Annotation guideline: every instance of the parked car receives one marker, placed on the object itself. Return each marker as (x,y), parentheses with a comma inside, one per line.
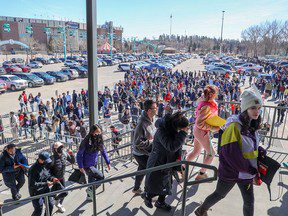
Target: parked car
(219,71)
(12,69)
(109,62)
(71,73)
(56,60)
(60,77)
(35,64)
(17,60)
(3,87)
(2,70)
(155,66)
(7,63)
(82,71)
(69,63)
(24,68)
(48,80)
(13,82)
(124,67)
(42,60)
(249,65)
(32,79)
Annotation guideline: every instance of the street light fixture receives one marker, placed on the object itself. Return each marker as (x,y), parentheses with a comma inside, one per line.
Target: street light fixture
(221,32)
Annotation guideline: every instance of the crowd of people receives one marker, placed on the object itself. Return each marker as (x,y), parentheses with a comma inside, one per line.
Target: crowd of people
(151,104)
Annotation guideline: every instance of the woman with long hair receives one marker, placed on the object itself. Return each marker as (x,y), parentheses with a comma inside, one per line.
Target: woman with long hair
(238,154)
(87,156)
(166,148)
(207,108)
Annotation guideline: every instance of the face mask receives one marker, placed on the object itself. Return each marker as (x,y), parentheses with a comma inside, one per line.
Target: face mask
(60,150)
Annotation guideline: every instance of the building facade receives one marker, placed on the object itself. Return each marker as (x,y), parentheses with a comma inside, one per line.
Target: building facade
(49,34)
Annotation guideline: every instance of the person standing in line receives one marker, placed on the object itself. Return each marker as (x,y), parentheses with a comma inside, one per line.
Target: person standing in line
(142,140)
(14,124)
(167,146)
(87,156)
(206,109)
(58,168)
(12,169)
(238,155)
(39,182)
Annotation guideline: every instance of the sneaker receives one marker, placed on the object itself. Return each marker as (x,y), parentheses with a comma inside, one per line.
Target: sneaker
(61,209)
(163,206)
(199,176)
(147,202)
(200,212)
(17,197)
(89,194)
(138,191)
(89,199)
(57,203)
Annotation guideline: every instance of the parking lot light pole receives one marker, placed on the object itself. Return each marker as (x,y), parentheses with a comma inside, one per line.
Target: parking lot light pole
(91,20)
(221,32)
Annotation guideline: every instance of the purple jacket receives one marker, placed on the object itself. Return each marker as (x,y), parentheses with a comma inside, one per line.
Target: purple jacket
(87,156)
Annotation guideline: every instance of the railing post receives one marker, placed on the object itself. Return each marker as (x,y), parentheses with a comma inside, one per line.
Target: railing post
(184,194)
(131,147)
(272,128)
(1,213)
(94,200)
(47,140)
(102,169)
(47,205)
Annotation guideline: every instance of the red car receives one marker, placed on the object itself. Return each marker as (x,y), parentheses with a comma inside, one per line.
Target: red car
(24,68)
(3,87)
(12,69)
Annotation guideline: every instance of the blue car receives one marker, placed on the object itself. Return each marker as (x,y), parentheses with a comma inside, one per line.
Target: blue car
(82,71)
(60,77)
(48,80)
(154,67)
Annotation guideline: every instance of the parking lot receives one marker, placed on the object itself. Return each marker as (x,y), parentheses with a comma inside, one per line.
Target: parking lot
(107,76)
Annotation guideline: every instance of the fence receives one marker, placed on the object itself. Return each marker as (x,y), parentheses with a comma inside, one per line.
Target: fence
(93,185)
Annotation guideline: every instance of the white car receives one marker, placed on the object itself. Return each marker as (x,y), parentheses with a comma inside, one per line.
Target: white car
(13,82)
(69,63)
(35,64)
(3,87)
(242,67)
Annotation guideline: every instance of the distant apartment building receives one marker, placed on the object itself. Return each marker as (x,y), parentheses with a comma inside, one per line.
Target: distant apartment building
(47,32)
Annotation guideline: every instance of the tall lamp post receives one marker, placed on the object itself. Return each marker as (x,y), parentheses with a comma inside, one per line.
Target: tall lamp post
(221,44)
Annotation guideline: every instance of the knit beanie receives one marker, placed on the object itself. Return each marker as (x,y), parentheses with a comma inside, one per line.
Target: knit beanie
(250,97)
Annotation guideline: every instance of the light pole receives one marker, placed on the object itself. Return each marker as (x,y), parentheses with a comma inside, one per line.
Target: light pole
(221,32)
(170,25)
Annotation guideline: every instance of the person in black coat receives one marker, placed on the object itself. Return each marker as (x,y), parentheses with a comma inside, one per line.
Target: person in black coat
(57,168)
(166,148)
(11,167)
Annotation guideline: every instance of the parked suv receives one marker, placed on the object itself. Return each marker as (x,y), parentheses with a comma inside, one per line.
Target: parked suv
(13,82)
(32,79)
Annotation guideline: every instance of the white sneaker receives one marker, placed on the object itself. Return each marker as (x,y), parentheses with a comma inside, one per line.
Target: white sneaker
(61,209)
(57,203)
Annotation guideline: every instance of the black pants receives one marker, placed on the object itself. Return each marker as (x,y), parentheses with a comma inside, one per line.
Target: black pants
(142,163)
(10,180)
(38,206)
(59,186)
(161,198)
(223,188)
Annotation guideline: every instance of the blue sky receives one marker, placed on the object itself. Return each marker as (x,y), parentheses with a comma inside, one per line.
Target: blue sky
(151,17)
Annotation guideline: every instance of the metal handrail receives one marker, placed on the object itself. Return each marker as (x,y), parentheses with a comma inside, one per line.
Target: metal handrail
(142,172)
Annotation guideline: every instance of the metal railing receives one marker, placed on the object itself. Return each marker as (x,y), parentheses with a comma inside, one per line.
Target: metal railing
(94,185)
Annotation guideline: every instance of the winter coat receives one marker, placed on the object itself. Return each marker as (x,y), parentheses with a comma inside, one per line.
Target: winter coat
(166,149)
(58,165)
(238,153)
(144,130)
(7,162)
(88,153)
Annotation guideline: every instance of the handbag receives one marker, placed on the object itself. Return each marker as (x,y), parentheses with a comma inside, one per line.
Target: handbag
(267,168)
(78,177)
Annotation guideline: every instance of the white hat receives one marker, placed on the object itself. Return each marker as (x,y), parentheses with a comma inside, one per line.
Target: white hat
(250,97)
(57,145)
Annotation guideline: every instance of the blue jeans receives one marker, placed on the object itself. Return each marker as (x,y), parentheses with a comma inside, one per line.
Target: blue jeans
(10,179)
